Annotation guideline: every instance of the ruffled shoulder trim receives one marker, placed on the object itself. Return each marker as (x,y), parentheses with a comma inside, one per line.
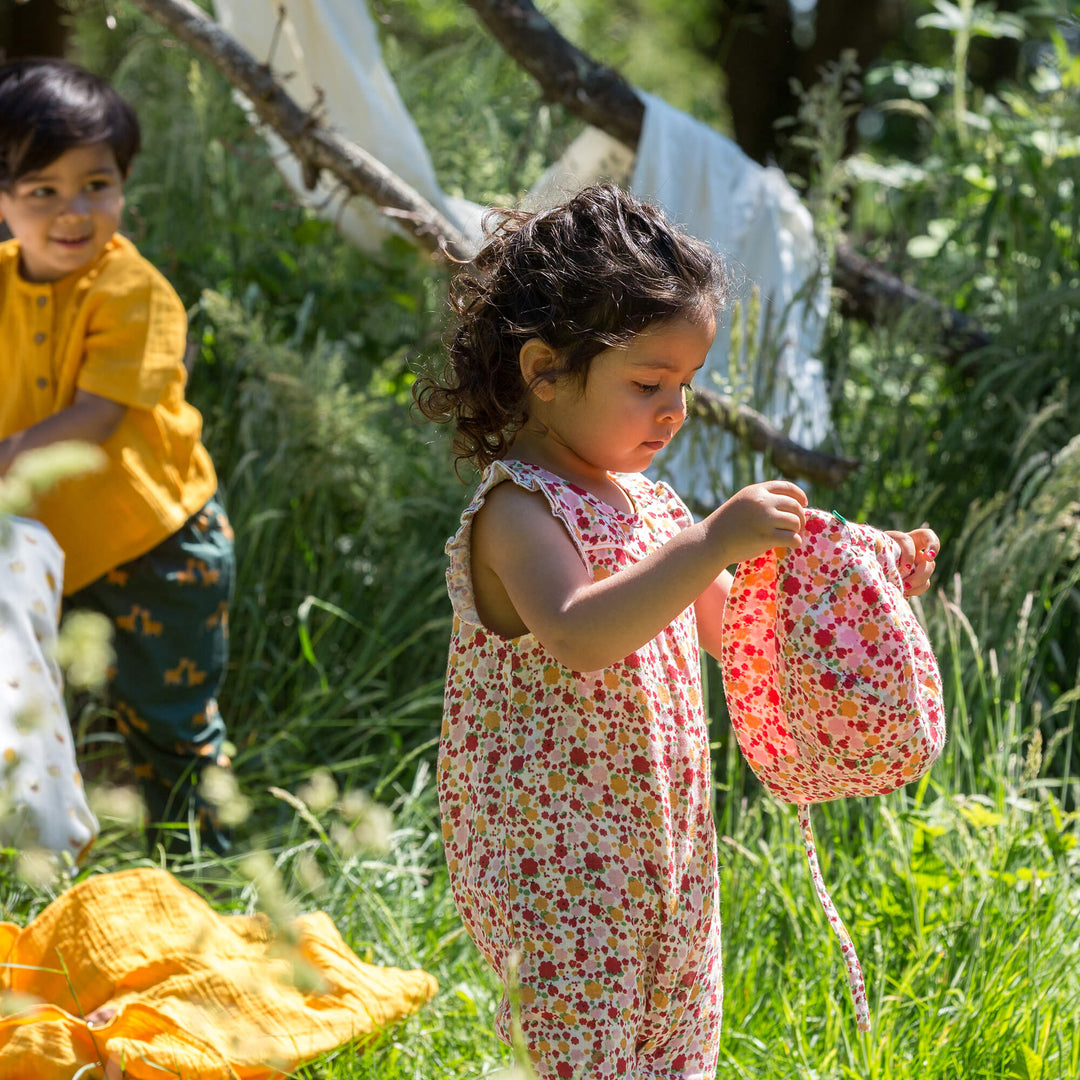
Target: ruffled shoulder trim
(561,497)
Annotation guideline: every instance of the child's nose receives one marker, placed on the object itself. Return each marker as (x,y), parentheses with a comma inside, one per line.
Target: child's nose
(76,206)
(673,407)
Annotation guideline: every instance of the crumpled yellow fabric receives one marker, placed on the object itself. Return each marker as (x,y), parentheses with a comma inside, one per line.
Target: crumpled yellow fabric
(137,975)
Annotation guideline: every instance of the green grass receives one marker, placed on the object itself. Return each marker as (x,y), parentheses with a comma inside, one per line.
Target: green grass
(962,894)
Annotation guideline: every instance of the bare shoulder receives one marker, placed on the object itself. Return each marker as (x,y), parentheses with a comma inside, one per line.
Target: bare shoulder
(510,516)
(502,531)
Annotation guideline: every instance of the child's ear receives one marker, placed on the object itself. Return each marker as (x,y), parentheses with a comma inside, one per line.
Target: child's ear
(539,363)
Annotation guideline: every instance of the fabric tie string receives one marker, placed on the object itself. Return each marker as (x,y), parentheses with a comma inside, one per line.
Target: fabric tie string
(856,983)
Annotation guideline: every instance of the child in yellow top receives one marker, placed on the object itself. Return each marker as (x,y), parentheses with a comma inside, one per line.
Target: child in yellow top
(92,341)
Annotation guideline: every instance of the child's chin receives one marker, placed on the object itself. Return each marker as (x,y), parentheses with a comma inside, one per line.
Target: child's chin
(70,260)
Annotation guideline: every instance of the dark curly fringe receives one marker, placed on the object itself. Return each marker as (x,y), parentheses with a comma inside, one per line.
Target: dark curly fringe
(583,277)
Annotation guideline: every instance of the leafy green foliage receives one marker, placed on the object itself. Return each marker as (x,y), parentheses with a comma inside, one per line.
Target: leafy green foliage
(503,135)
(980,215)
(962,893)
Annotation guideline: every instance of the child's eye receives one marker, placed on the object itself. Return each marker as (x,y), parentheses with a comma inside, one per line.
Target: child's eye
(648,388)
(98,185)
(41,192)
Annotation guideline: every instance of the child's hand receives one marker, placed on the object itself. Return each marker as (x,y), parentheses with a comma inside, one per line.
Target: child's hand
(918,550)
(761,517)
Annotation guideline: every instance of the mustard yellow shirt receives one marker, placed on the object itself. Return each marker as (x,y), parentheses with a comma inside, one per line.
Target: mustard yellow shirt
(116,329)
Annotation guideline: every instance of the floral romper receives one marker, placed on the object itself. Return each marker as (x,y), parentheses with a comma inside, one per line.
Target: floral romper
(577,815)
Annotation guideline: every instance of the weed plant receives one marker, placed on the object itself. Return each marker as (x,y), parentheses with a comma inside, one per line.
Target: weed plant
(962,893)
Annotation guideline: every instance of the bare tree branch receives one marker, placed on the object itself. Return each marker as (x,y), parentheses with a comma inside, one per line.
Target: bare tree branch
(869,293)
(315,146)
(603,98)
(755,431)
(597,94)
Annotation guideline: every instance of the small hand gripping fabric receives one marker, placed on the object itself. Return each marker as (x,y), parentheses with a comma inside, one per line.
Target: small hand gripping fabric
(831,683)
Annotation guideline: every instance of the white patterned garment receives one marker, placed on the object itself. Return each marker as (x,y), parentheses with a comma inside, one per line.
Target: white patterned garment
(42,802)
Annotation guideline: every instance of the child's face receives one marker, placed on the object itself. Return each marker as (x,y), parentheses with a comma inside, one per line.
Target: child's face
(634,399)
(65,213)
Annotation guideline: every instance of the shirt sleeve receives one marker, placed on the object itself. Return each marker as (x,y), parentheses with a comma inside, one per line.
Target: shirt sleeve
(135,339)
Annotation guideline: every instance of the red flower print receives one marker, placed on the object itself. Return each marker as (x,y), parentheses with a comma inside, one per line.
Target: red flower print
(586,851)
(823,638)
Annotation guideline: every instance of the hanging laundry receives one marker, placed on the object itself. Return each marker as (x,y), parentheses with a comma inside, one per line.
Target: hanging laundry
(749,213)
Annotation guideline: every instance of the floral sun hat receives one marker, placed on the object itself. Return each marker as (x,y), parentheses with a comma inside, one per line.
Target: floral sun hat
(831,683)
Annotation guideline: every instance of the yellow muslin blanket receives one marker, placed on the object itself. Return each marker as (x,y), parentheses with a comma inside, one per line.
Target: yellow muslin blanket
(137,975)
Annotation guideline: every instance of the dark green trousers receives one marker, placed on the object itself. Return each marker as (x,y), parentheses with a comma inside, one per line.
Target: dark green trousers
(170,614)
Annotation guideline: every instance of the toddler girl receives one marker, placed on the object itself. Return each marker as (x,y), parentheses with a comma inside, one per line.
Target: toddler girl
(573,776)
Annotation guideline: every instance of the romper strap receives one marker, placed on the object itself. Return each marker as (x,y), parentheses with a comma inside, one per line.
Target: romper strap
(854,970)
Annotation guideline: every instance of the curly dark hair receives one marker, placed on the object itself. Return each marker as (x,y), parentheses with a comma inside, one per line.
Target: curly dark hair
(583,277)
(48,107)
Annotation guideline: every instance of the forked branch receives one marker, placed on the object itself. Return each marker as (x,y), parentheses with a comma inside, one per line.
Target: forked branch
(315,145)
(602,97)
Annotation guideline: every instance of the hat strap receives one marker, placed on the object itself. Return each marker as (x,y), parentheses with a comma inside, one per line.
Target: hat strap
(854,970)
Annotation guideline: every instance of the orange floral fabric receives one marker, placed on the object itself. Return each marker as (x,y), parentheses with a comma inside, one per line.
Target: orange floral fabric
(831,683)
(577,815)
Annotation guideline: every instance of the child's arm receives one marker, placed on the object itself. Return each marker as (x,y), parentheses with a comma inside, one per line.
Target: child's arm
(528,575)
(709,609)
(89,418)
